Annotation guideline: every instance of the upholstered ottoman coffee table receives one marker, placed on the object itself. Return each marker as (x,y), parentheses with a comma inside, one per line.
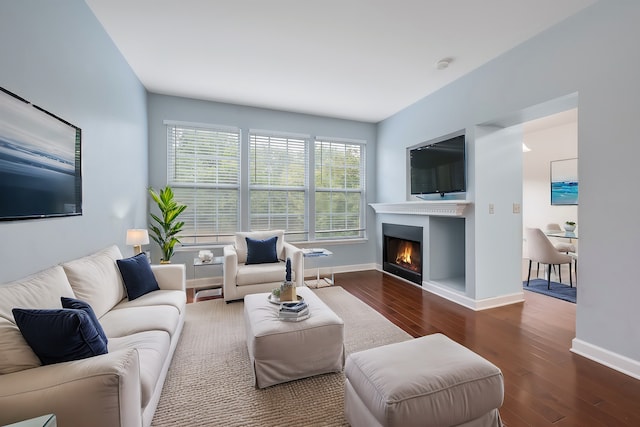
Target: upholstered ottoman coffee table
(282,351)
(428,381)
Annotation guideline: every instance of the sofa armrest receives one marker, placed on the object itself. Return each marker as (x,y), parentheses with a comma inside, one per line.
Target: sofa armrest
(229,271)
(170,276)
(297,261)
(97,391)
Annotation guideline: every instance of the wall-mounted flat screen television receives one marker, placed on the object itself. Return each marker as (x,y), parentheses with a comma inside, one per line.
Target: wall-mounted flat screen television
(439,167)
(40,171)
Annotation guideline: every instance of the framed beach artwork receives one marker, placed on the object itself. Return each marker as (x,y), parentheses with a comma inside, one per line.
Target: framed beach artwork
(564,182)
(40,165)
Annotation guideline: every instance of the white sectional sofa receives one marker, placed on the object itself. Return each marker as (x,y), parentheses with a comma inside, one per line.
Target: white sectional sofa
(120,388)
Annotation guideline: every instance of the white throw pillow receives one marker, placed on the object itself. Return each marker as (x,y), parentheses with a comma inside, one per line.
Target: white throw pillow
(96,280)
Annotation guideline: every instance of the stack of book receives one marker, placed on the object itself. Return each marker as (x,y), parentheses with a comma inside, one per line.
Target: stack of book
(293,311)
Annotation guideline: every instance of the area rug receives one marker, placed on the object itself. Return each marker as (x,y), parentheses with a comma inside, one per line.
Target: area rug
(210,383)
(558,290)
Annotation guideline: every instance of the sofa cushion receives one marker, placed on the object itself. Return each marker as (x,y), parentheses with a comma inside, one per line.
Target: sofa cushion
(177,299)
(153,349)
(40,290)
(81,305)
(59,335)
(260,273)
(128,321)
(96,279)
(137,276)
(261,251)
(241,242)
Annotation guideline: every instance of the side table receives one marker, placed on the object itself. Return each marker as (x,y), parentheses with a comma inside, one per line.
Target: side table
(206,290)
(318,253)
(43,421)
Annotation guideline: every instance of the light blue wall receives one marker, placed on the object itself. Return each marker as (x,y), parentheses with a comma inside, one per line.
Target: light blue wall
(162,107)
(56,55)
(594,54)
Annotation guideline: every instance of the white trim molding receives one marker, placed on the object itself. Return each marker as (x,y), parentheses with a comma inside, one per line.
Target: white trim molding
(473,304)
(460,298)
(608,358)
(431,207)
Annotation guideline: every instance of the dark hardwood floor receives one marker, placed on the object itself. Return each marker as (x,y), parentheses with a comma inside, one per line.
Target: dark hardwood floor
(545,383)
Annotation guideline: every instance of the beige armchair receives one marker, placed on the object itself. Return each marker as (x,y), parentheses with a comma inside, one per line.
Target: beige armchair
(240,279)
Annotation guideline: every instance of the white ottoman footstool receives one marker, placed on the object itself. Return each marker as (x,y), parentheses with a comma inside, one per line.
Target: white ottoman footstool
(282,351)
(427,381)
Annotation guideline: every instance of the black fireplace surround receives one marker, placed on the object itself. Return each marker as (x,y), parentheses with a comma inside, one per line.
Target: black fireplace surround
(402,251)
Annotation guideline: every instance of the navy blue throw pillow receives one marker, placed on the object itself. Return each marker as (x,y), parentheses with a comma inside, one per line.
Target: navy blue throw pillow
(261,251)
(59,335)
(81,305)
(137,276)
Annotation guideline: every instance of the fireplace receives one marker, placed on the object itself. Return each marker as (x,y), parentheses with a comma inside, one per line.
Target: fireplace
(402,251)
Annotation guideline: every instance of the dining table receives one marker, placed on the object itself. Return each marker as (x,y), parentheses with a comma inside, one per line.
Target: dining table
(562,234)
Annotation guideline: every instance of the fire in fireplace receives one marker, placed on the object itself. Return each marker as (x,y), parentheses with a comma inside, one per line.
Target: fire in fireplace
(402,251)
(406,257)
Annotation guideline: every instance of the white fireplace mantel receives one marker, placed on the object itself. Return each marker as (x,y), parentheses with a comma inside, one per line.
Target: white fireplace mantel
(427,207)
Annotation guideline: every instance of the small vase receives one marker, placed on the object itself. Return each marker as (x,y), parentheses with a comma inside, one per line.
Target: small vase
(162,261)
(569,228)
(288,291)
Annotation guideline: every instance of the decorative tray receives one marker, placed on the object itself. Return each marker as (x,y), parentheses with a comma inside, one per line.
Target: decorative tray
(275,300)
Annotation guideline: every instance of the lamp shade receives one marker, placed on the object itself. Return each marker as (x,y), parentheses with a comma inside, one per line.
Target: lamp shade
(137,237)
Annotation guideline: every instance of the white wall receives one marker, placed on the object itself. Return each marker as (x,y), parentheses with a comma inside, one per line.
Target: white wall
(57,55)
(497,183)
(572,59)
(162,107)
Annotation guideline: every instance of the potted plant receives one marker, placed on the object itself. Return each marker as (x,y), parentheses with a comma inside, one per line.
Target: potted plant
(569,226)
(166,227)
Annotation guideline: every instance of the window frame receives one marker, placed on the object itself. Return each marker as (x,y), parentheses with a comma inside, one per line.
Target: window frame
(244,186)
(314,189)
(201,239)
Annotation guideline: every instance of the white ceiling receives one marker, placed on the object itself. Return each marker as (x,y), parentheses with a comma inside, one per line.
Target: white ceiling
(354,59)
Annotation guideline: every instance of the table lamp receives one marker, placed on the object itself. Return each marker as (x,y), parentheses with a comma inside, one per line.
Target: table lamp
(137,238)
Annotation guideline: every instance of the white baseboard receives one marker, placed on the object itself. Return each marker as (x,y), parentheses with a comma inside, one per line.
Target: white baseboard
(608,358)
(326,271)
(460,298)
(473,304)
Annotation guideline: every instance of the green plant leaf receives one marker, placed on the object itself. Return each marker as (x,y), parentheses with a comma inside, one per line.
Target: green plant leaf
(166,231)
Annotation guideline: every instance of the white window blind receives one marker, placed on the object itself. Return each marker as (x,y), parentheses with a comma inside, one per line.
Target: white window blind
(204,172)
(278,183)
(339,189)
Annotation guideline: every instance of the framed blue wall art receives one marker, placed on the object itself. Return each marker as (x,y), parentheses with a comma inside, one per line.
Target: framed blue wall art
(564,182)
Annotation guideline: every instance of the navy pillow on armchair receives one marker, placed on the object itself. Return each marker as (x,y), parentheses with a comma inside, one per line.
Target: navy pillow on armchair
(59,335)
(137,276)
(261,251)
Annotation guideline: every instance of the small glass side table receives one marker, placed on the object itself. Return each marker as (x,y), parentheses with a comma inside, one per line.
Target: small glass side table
(210,287)
(318,253)
(43,421)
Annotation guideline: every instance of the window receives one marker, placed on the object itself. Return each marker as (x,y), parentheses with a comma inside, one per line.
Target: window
(339,189)
(204,171)
(312,189)
(278,183)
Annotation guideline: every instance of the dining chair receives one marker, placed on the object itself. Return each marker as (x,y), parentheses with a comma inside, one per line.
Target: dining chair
(541,250)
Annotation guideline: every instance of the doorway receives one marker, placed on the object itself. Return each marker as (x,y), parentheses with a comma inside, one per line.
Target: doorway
(552,138)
